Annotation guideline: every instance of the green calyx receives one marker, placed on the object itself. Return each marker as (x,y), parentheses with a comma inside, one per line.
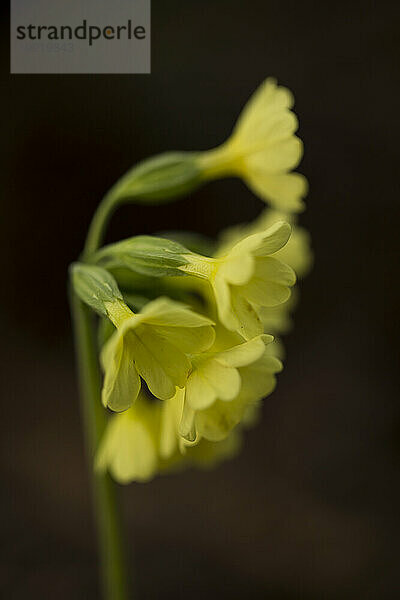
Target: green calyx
(160,178)
(144,254)
(95,287)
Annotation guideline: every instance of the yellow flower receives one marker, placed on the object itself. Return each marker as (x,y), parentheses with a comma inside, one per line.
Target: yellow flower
(247,278)
(263,149)
(258,381)
(218,393)
(155,437)
(129,448)
(216,375)
(296,252)
(152,344)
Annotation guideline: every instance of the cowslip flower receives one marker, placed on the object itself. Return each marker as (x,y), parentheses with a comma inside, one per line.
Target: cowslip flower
(221,387)
(215,421)
(263,149)
(246,277)
(216,375)
(152,344)
(258,381)
(129,447)
(296,252)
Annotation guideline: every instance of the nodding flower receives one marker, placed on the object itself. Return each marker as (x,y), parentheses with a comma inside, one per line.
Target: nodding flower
(154,345)
(263,150)
(247,278)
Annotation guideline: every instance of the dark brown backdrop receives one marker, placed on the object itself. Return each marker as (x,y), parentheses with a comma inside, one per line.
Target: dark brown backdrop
(309,510)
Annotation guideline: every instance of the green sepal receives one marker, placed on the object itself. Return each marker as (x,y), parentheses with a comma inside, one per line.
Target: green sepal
(94,286)
(161,178)
(144,254)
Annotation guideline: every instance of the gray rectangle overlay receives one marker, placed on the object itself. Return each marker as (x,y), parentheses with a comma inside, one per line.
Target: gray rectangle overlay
(80,36)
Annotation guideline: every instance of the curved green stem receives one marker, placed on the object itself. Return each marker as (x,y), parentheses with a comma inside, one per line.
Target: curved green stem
(113,570)
(99,223)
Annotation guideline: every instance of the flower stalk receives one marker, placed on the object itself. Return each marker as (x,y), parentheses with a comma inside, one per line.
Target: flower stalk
(108,523)
(113,570)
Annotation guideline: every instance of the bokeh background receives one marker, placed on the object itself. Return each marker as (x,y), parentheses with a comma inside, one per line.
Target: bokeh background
(310,508)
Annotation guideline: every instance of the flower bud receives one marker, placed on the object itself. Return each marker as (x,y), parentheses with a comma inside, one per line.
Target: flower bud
(95,287)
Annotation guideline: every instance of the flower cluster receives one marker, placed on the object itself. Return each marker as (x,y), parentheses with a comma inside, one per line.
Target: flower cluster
(186,329)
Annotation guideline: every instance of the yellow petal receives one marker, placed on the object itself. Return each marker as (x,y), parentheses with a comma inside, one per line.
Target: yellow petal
(128,449)
(136,459)
(209,381)
(161,364)
(266,132)
(266,101)
(171,414)
(283,190)
(283,155)
(192,340)
(187,428)
(166,312)
(264,242)
(223,301)
(250,324)
(246,353)
(258,379)
(297,253)
(121,381)
(237,269)
(270,284)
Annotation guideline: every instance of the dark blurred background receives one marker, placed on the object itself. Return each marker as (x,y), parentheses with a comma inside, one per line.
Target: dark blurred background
(310,508)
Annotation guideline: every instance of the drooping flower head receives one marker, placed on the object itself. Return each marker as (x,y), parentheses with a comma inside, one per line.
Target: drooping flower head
(155,436)
(247,278)
(207,364)
(263,149)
